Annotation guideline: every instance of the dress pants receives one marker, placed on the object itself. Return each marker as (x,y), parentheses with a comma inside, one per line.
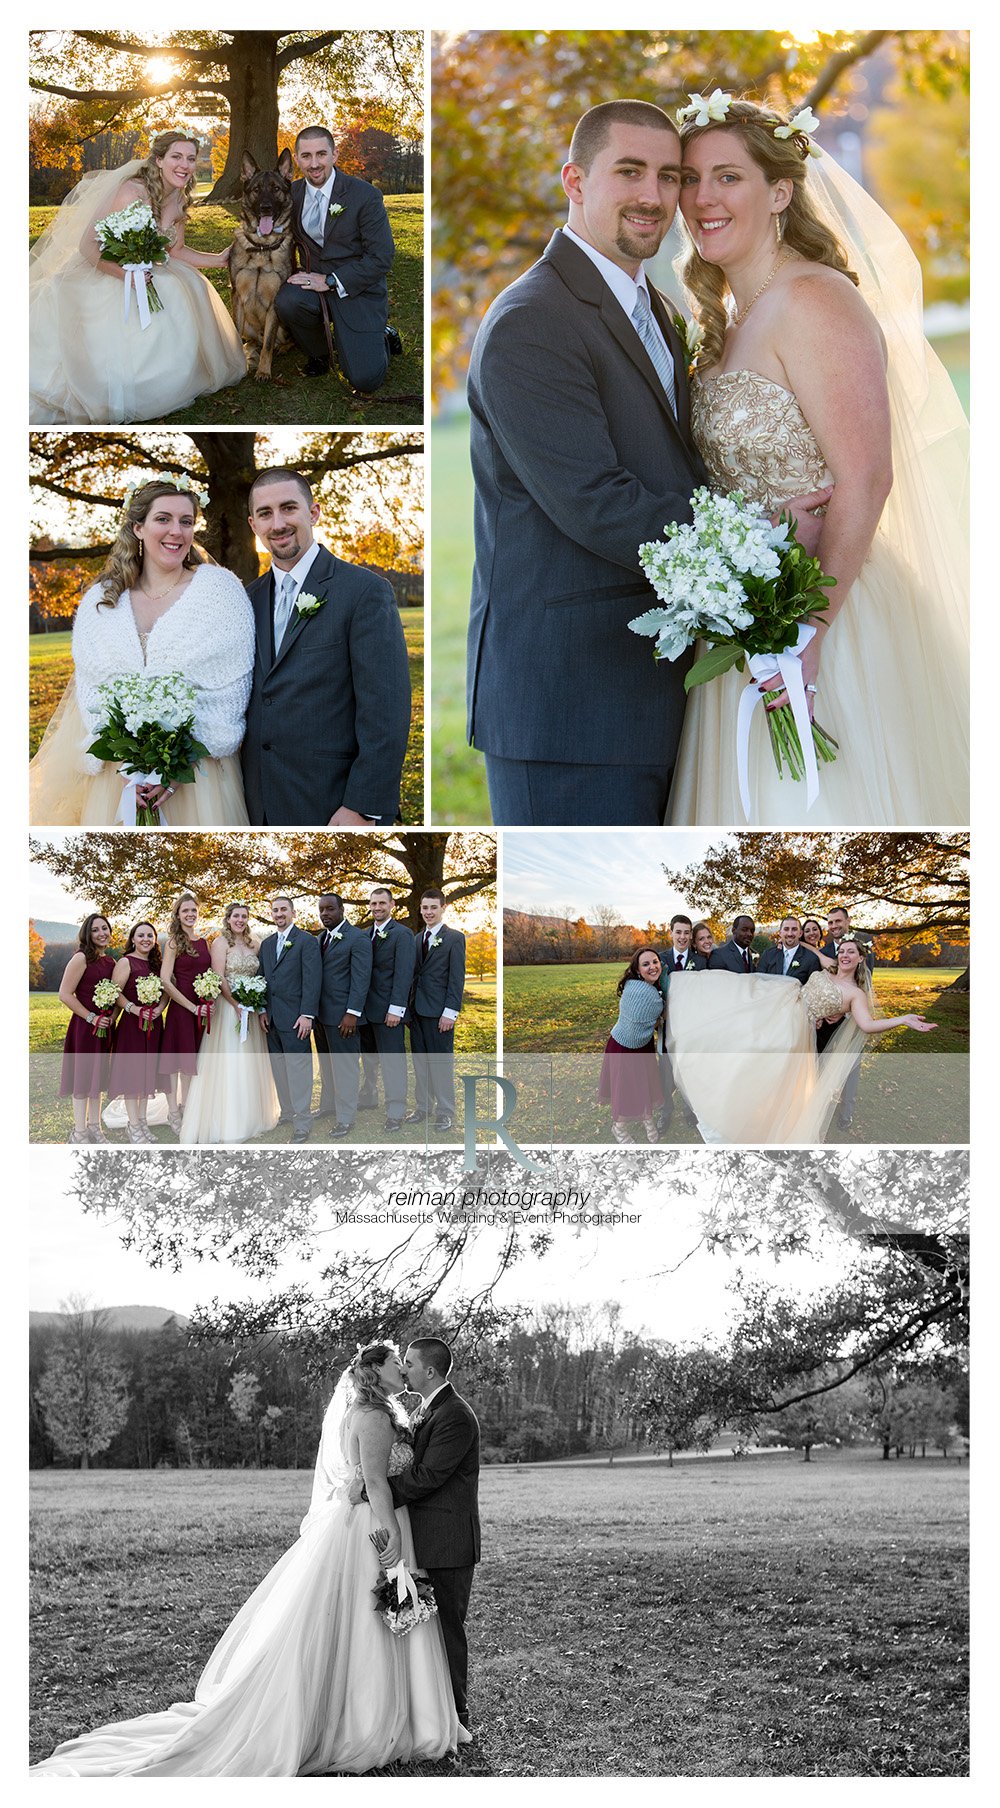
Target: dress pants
(385,1048)
(361,353)
(292,1069)
(339,1067)
(538,792)
(452,1588)
(433,1065)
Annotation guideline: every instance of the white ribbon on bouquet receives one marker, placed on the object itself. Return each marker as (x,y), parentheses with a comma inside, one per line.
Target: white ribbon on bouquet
(127,807)
(405,1585)
(786,671)
(245,1015)
(135,278)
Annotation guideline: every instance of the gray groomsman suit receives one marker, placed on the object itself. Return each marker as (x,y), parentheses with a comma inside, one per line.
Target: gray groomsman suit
(293,989)
(346,954)
(578,459)
(329,712)
(391,983)
(438,985)
(803,959)
(729,959)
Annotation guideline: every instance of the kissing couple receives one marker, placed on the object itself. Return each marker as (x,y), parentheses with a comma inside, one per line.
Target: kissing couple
(310,1679)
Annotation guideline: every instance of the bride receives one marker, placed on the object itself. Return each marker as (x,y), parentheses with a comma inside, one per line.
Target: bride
(86,362)
(232,1096)
(307,1680)
(812,373)
(154,610)
(743,1048)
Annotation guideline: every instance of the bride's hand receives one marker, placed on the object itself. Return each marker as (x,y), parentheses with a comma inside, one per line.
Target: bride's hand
(914,1021)
(809,660)
(393,1552)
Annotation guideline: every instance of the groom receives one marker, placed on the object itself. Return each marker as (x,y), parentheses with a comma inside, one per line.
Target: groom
(337,302)
(292,966)
(581,451)
(329,712)
(441,1491)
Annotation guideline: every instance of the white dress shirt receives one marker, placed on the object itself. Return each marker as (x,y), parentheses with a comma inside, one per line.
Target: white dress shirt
(424,1407)
(623,286)
(308,202)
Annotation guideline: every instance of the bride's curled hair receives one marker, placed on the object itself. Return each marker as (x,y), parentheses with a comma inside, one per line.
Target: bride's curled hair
(227,929)
(368,1390)
(780,159)
(124,562)
(150,177)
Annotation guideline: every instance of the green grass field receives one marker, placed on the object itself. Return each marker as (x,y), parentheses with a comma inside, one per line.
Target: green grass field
(766,1618)
(291,399)
(50,667)
(566,1013)
(50,1118)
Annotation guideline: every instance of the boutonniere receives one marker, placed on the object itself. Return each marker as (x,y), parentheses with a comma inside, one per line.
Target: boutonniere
(335,208)
(793,966)
(692,337)
(308,605)
(381,933)
(336,935)
(435,942)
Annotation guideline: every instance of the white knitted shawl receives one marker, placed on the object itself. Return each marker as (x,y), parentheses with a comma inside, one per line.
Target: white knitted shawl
(207,635)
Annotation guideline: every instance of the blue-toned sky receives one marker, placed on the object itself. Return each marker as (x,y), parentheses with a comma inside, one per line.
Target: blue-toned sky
(581,869)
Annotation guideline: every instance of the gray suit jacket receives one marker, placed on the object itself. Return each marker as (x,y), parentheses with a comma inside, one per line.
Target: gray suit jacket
(439,979)
(347,970)
(578,459)
(729,959)
(358,249)
(773,961)
(293,983)
(329,715)
(391,981)
(441,1488)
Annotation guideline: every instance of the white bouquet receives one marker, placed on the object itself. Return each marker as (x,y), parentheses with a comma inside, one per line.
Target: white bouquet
(148,727)
(132,239)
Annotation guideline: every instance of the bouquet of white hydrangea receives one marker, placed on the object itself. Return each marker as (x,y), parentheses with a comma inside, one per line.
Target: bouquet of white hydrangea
(132,239)
(745,586)
(149,728)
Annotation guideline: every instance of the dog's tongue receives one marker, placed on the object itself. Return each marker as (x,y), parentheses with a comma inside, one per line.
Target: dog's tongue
(266,224)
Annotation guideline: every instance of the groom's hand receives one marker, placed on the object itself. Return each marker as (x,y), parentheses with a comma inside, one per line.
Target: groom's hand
(808,524)
(310,279)
(303,1027)
(356,1491)
(348,819)
(392,1021)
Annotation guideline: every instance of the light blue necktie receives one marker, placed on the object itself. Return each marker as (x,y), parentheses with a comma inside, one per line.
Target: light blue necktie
(663,364)
(284,597)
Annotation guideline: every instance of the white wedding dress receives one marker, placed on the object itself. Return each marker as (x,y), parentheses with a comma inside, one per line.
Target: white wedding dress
(307,1680)
(87,363)
(743,1051)
(232,1096)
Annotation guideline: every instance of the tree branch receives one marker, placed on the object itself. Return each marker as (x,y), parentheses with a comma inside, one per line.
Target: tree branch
(830,76)
(309,46)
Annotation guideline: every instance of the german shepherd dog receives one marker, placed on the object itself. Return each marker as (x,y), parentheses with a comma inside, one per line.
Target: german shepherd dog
(261,259)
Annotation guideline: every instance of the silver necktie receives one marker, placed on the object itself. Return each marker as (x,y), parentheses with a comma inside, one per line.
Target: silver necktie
(663,364)
(312,218)
(283,598)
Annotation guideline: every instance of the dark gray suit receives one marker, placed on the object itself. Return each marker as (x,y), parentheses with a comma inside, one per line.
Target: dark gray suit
(391,983)
(293,989)
(438,985)
(578,459)
(358,249)
(346,972)
(329,712)
(729,959)
(804,962)
(441,1491)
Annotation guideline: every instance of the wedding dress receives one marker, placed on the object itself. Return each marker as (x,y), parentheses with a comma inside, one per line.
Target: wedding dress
(232,1096)
(208,636)
(307,1680)
(87,363)
(743,1051)
(894,679)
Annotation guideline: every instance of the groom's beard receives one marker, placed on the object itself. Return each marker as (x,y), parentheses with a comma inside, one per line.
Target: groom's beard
(630,246)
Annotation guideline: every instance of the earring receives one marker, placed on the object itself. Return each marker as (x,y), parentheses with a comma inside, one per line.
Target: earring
(779,228)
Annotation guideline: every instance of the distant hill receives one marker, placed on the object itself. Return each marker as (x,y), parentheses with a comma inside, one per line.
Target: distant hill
(56,932)
(120,1318)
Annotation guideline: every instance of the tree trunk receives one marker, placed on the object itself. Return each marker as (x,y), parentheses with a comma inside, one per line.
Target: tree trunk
(84,1460)
(806,1453)
(253,108)
(885,1450)
(231,464)
(423,858)
(961,984)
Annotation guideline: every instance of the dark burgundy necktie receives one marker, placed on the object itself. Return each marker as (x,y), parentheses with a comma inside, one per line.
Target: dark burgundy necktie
(746,959)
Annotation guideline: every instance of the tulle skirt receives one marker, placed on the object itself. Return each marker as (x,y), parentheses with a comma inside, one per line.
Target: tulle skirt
(893,691)
(62,793)
(232,1095)
(305,1681)
(88,364)
(743,1050)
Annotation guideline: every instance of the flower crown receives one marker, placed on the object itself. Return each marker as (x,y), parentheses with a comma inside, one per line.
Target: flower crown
(709,109)
(183,483)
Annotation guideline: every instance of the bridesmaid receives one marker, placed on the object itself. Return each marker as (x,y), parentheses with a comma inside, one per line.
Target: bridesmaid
(813,937)
(85,1053)
(630,1077)
(702,939)
(136,1053)
(186,955)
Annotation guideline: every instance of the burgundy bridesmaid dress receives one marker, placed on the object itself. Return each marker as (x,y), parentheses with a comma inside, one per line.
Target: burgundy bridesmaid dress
(86,1056)
(135,1056)
(182,1033)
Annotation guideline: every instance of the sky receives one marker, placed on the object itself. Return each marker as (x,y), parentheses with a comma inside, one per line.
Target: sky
(665,1284)
(619,867)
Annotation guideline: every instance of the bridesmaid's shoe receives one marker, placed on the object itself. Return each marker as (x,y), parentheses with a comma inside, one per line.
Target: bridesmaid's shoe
(652,1130)
(147,1134)
(621,1131)
(95,1134)
(135,1133)
(175,1120)
(78,1136)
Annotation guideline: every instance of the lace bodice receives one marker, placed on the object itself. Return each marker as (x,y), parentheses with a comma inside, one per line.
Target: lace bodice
(822,996)
(400,1458)
(241,960)
(754,437)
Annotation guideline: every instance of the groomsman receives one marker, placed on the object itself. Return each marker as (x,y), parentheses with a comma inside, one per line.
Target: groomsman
(438,985)
(839,928)
(790,957)
(383,1038)
(346,953)
(680,957)
(735,956)
(290,962)
(838,925)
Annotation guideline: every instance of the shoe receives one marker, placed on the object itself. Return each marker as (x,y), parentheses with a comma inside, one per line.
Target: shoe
(300,1136)
(652,1133)
(134,1133)
(95,1134)
(394,1123)
(415,1117)
(620,1130)
(175,1119)
(443,1123)
(315,367)
(393,342)
(341,1130)
(147,1134)
(844,1123)
(78,1136)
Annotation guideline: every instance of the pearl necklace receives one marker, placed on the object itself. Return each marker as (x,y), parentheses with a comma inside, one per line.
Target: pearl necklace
(740,315)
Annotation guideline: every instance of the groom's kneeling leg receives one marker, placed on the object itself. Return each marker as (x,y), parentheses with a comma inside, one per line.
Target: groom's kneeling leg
(363,356)
(452,1588)
(300,314)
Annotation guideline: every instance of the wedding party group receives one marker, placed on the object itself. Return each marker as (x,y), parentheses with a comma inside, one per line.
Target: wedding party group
(309,260)
(352,1652)
(216,1036)
(763,1049)
(196,701)
(796,441)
